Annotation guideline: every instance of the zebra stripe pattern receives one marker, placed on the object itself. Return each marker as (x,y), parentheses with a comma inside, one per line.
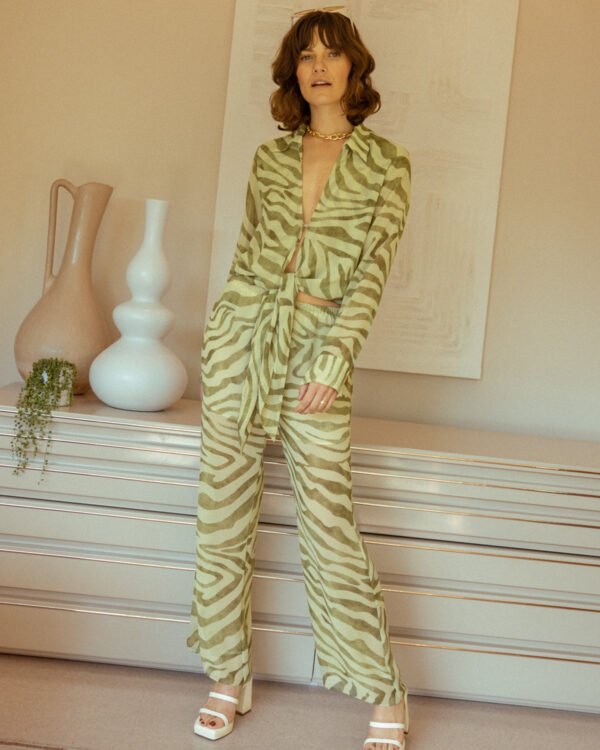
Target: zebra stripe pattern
(343,589)
(346,253)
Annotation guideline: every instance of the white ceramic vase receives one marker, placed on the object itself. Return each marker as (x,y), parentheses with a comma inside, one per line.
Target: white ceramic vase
(138,372)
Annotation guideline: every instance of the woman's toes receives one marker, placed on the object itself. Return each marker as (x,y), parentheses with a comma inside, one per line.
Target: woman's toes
(210,721)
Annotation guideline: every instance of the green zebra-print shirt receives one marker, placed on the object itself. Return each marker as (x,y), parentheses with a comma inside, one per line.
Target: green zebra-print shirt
(347,250)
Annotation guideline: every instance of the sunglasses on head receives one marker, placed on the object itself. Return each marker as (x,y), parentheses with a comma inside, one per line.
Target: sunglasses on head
(343,9)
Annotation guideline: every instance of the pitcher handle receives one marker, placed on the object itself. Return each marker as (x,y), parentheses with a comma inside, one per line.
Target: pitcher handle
(48,275)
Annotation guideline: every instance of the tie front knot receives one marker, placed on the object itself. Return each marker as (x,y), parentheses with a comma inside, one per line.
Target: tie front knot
(264,383)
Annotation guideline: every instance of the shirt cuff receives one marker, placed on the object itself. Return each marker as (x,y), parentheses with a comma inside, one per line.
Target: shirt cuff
(328,370)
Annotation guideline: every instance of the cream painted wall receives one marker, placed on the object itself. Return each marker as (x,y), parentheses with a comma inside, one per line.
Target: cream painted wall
(133,94)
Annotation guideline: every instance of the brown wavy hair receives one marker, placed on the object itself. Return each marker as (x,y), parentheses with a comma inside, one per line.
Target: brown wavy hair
(336,31)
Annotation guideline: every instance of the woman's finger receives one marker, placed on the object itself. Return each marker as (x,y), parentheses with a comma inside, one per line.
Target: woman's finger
(307,401)
(329,399)
(322,400)
(316,398)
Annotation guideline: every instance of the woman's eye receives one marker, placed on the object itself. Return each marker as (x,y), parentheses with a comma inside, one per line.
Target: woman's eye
(306,55)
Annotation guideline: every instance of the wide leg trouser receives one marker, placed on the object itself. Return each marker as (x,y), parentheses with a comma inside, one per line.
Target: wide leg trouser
(343,588)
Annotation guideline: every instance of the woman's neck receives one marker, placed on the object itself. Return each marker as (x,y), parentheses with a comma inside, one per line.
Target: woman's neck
(327,123)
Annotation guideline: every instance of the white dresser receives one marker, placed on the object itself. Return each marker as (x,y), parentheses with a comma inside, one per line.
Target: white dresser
(487,544)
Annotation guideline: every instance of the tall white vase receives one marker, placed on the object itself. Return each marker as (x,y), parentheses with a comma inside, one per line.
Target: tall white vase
(138,372)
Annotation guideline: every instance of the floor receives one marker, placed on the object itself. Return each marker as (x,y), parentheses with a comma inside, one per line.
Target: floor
(58,704)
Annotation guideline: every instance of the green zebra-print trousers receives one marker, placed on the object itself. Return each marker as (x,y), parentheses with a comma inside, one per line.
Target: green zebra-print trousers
(344,595)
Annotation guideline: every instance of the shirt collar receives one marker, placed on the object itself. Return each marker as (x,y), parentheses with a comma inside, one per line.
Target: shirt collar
(357,142)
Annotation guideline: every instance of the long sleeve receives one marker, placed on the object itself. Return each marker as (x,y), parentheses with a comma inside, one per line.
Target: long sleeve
(251,216)
(340,347)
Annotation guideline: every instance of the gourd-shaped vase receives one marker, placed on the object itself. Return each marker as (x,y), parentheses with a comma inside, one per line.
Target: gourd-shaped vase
(138,372)
(67,322)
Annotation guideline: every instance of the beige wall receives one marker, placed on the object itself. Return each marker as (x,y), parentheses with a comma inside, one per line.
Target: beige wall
(133,94)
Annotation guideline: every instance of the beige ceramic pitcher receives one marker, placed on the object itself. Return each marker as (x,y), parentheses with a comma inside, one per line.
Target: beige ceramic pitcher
(67,321)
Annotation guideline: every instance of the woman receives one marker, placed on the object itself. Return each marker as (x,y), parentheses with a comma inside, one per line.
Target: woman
(326,205)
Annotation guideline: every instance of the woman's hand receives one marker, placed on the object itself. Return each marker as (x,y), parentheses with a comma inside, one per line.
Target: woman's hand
(312,394)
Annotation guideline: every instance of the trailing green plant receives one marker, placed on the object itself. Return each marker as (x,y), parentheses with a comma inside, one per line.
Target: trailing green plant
(48,382)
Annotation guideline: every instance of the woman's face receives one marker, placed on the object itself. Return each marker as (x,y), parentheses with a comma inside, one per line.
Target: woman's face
(320,63)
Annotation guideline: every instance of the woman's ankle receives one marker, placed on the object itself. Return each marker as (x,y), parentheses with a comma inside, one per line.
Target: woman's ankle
(227,688)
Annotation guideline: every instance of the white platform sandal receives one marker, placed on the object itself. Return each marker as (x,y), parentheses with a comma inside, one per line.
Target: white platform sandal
(243,705)
(401,744)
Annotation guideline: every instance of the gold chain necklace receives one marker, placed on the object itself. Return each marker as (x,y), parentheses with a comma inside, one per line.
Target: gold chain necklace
(331,136)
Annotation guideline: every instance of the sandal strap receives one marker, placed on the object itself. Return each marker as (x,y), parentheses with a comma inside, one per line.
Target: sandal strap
(214,713)
(224,697)
(380,739)
(387,724)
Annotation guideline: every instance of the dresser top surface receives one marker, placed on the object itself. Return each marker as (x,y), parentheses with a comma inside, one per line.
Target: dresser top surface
(382,435)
